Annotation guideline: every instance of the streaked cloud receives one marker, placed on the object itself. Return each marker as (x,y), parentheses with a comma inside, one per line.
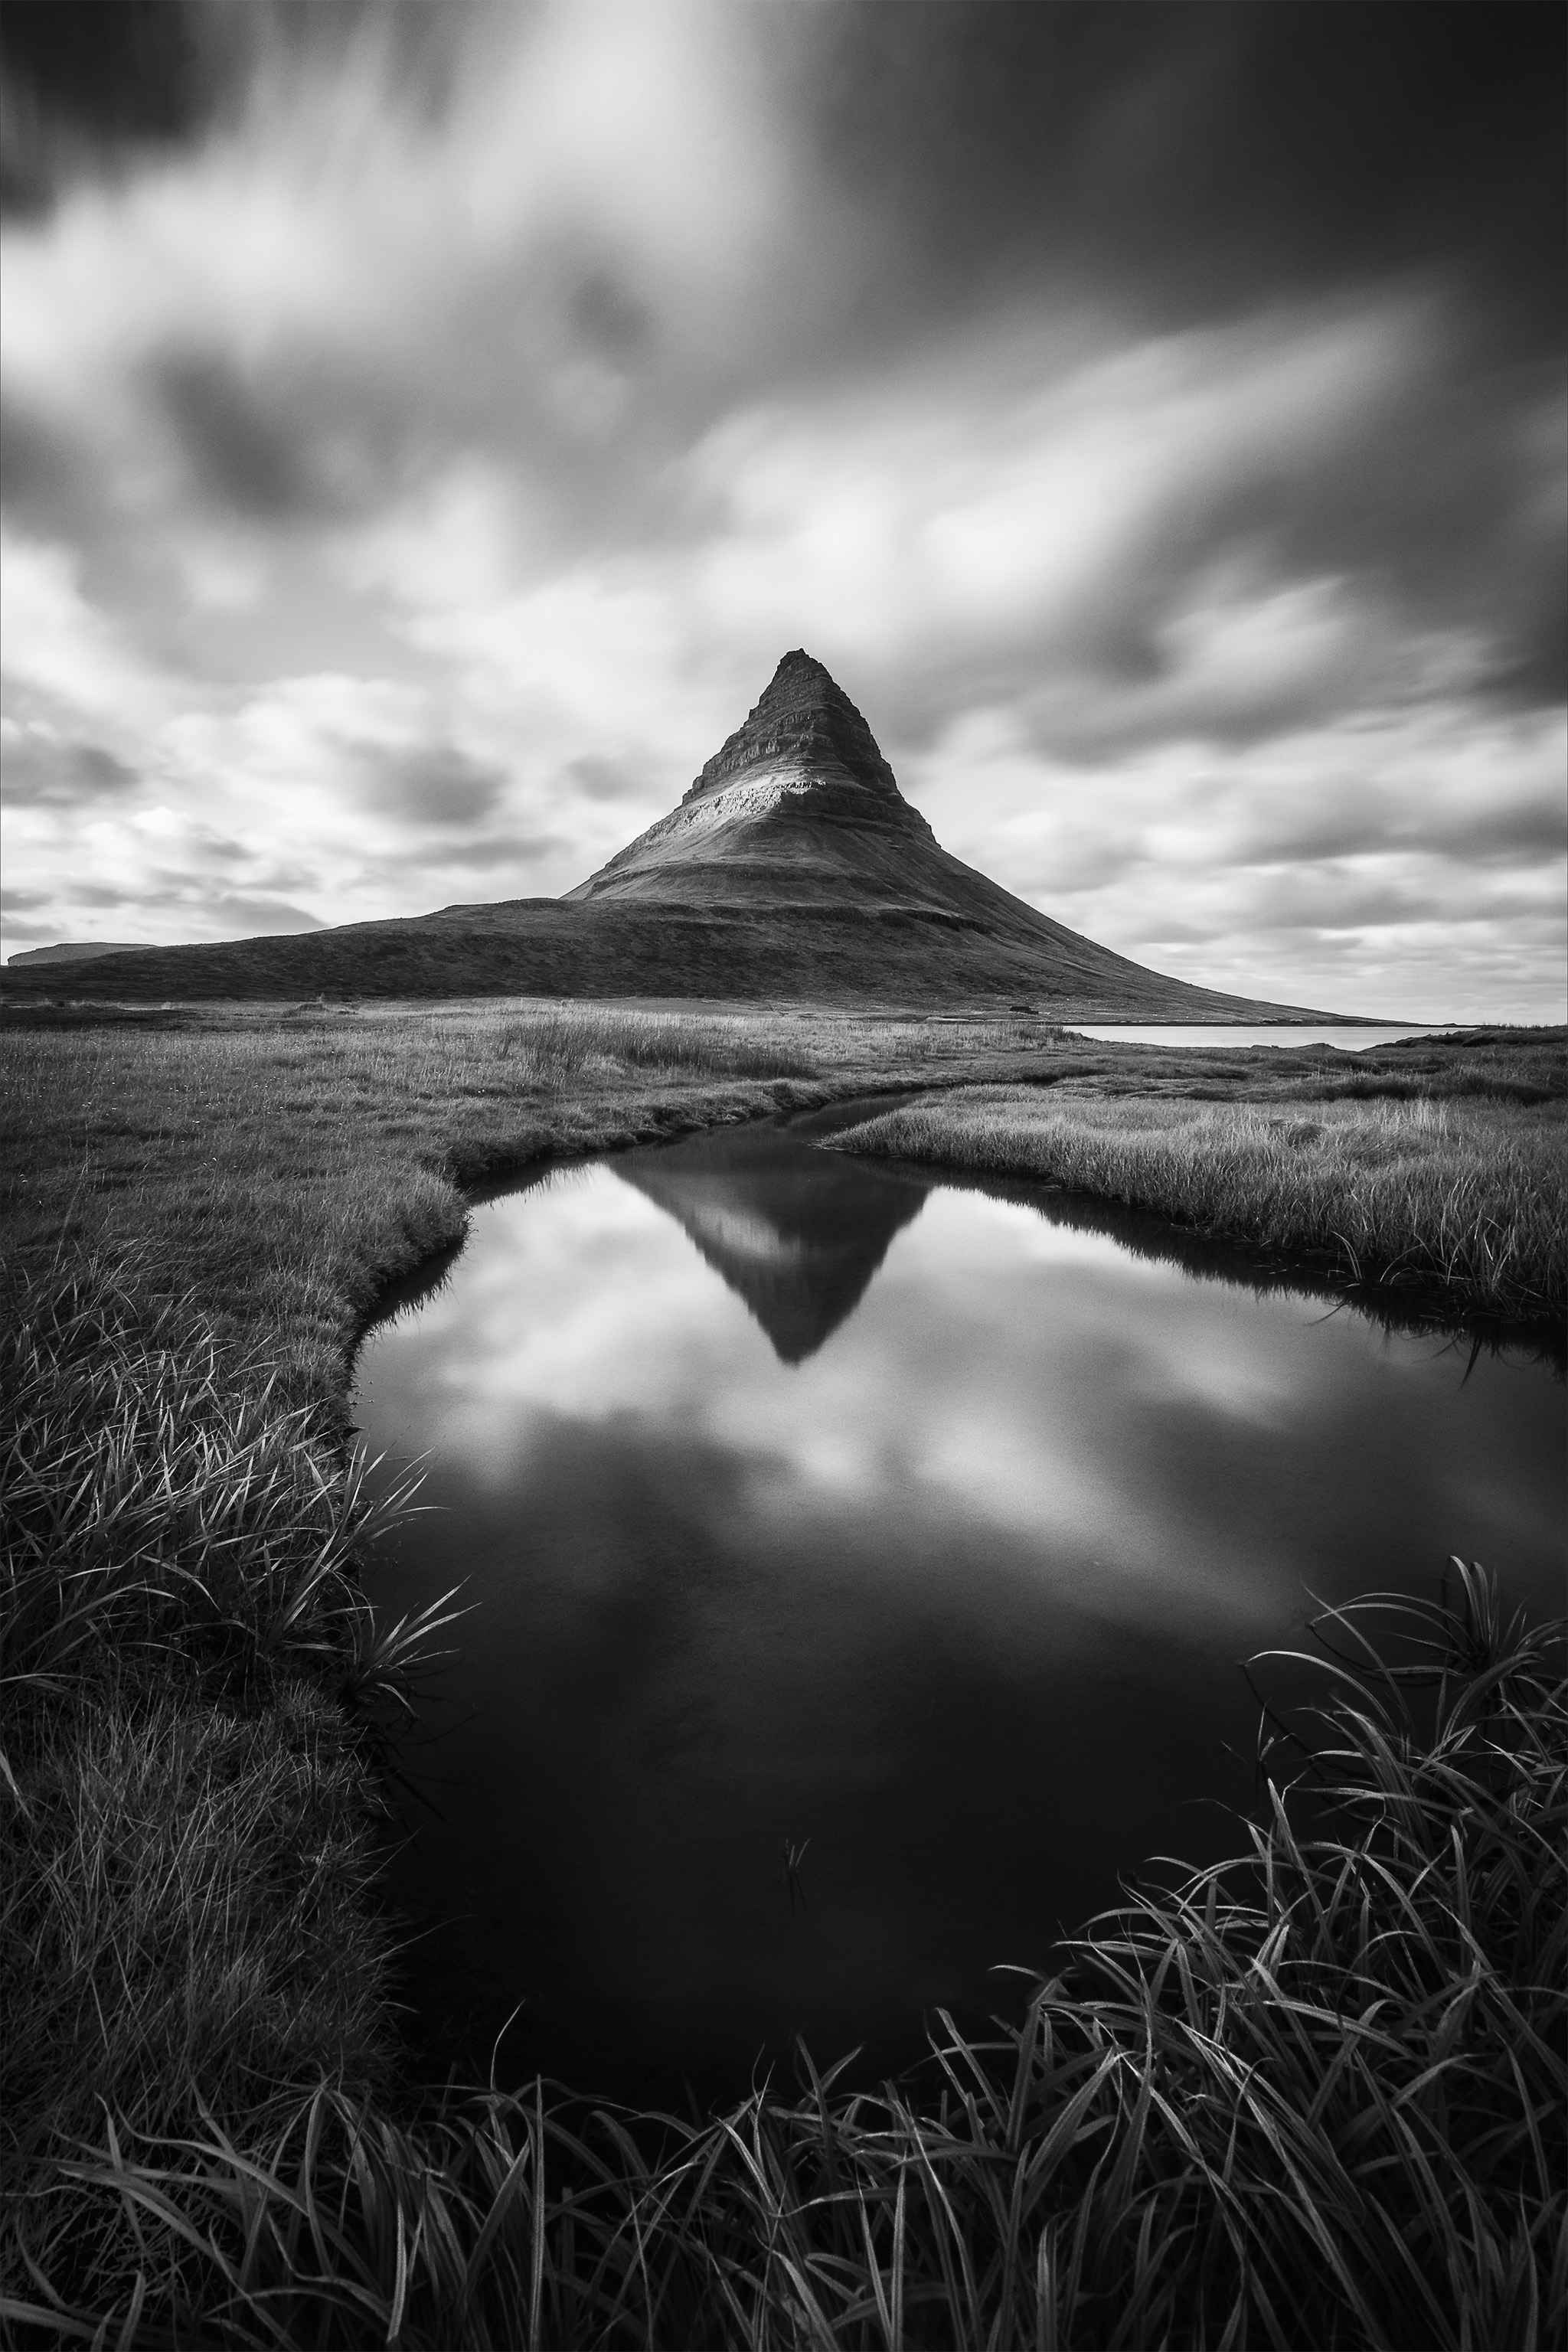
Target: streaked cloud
(424,429)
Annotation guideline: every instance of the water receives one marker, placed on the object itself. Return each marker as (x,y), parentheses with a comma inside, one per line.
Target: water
(808,1504)
(1349,1041)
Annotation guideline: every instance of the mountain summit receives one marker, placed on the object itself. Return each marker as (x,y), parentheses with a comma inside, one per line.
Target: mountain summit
(798,818)
(805,727)
(794,808)
(793,867)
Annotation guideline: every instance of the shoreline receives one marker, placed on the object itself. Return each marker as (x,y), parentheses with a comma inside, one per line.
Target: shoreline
(1372,1209)
(290,1308)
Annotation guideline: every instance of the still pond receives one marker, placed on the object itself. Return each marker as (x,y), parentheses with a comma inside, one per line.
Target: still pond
(862,1567)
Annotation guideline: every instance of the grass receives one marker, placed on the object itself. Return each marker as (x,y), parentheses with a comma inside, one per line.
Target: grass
(567,1044)
(200,1216)
(155,1497)
(195,1686)
(203,2135)
(1311,2096)
(1437,1194)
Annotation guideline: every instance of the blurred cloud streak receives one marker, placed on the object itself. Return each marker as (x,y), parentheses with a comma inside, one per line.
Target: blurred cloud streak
(425,429)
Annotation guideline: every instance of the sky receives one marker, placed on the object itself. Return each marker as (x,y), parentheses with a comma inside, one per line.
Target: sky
(424,427)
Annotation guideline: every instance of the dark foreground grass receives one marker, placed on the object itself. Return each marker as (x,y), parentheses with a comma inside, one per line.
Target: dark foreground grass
(1219,2127)
(194,1688)
(199,1218)
(1311,2098)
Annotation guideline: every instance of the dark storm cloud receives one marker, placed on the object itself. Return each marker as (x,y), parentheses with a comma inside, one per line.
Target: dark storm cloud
(240,450)
(1152,413)
(1191,167)
(317,436)
(1200,157)
(1444,501)
(88,85)
(91,78)
(38,769)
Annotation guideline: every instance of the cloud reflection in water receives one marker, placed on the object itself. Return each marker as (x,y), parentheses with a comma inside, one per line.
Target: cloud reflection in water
(933,1530)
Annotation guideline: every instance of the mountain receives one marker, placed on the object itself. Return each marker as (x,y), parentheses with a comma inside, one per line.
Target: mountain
(793,867)
(798,810)
(798,1245)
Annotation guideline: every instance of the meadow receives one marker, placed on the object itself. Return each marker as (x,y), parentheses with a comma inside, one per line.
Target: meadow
(1314,2097)
(1447,1199)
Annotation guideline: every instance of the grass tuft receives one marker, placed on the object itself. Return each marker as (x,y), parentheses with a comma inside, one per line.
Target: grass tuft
(562,1045)
(195,1688)
(1437,1194)
(1312,2095)
(1316,2096)
(160,1506)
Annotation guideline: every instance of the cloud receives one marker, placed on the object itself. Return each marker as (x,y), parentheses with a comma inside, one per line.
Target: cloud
(338,260)
(98,81)
(36,764)
(1200,161)
(245,914)
(506,853)
(59,651)
(239,449)
(425,429)
(1118,528)
(599,779)
(1344,856)
(435,783)
(37,473)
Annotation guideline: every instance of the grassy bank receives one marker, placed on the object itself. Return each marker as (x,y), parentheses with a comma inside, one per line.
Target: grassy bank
(1311,2098)
(200,1210)
(1459,1201)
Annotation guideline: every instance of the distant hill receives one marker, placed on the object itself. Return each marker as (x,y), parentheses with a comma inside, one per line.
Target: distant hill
(75,950)
(793,867)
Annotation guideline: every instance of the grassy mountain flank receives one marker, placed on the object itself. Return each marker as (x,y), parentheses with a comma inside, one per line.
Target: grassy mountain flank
(549,946)
(793,867)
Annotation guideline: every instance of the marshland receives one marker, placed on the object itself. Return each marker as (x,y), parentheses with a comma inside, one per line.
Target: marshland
(1307,2089)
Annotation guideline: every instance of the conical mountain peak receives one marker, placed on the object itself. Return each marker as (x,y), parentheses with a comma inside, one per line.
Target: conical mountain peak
(797,808)
(805,723)
(801,673)
(793,867)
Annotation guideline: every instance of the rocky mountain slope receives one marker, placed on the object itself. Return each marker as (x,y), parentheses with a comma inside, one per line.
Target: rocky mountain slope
(793,867)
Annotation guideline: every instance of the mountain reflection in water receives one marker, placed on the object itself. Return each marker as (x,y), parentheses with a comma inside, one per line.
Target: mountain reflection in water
(806,1499)
(797,1239)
